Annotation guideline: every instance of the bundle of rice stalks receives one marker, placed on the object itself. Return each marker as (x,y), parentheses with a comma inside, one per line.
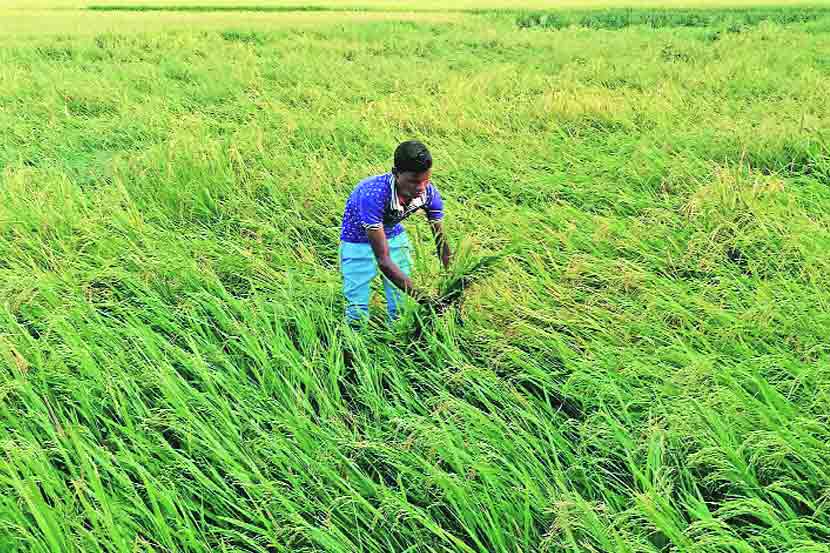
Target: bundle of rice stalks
(465,271)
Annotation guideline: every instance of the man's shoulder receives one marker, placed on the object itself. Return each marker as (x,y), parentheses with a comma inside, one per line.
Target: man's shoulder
(374,184)
(382,179)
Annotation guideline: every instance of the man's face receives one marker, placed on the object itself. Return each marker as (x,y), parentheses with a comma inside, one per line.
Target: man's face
(411,185)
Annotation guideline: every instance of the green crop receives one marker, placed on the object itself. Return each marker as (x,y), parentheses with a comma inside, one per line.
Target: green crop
(631,353)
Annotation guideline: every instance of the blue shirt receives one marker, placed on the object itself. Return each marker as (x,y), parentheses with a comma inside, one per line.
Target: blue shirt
(374,204)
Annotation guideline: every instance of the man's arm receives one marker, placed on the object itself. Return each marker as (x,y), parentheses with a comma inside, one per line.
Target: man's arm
(380,247)
(435,213)
(441,245)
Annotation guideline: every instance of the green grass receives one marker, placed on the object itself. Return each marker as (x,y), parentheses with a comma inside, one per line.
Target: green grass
(638,361)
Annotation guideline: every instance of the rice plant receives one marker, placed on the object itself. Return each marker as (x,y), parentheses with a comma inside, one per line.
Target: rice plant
(629,353)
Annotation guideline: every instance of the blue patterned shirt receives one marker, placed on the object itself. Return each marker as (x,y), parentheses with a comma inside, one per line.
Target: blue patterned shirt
(374,204)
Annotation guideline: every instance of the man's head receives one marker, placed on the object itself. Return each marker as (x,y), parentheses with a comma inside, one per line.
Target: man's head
(413,168)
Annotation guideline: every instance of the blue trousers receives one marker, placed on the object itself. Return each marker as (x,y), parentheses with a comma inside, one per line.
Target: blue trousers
(359,268)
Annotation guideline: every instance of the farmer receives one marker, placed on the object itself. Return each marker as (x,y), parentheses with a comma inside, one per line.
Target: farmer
(373,238)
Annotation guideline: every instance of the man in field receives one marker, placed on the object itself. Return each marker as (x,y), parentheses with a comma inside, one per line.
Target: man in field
(373,238)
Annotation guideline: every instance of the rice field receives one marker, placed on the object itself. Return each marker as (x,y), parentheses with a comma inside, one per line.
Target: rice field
(635,357)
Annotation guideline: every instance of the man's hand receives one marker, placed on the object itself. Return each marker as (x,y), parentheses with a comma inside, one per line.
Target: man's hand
(422,298)
(441,245)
